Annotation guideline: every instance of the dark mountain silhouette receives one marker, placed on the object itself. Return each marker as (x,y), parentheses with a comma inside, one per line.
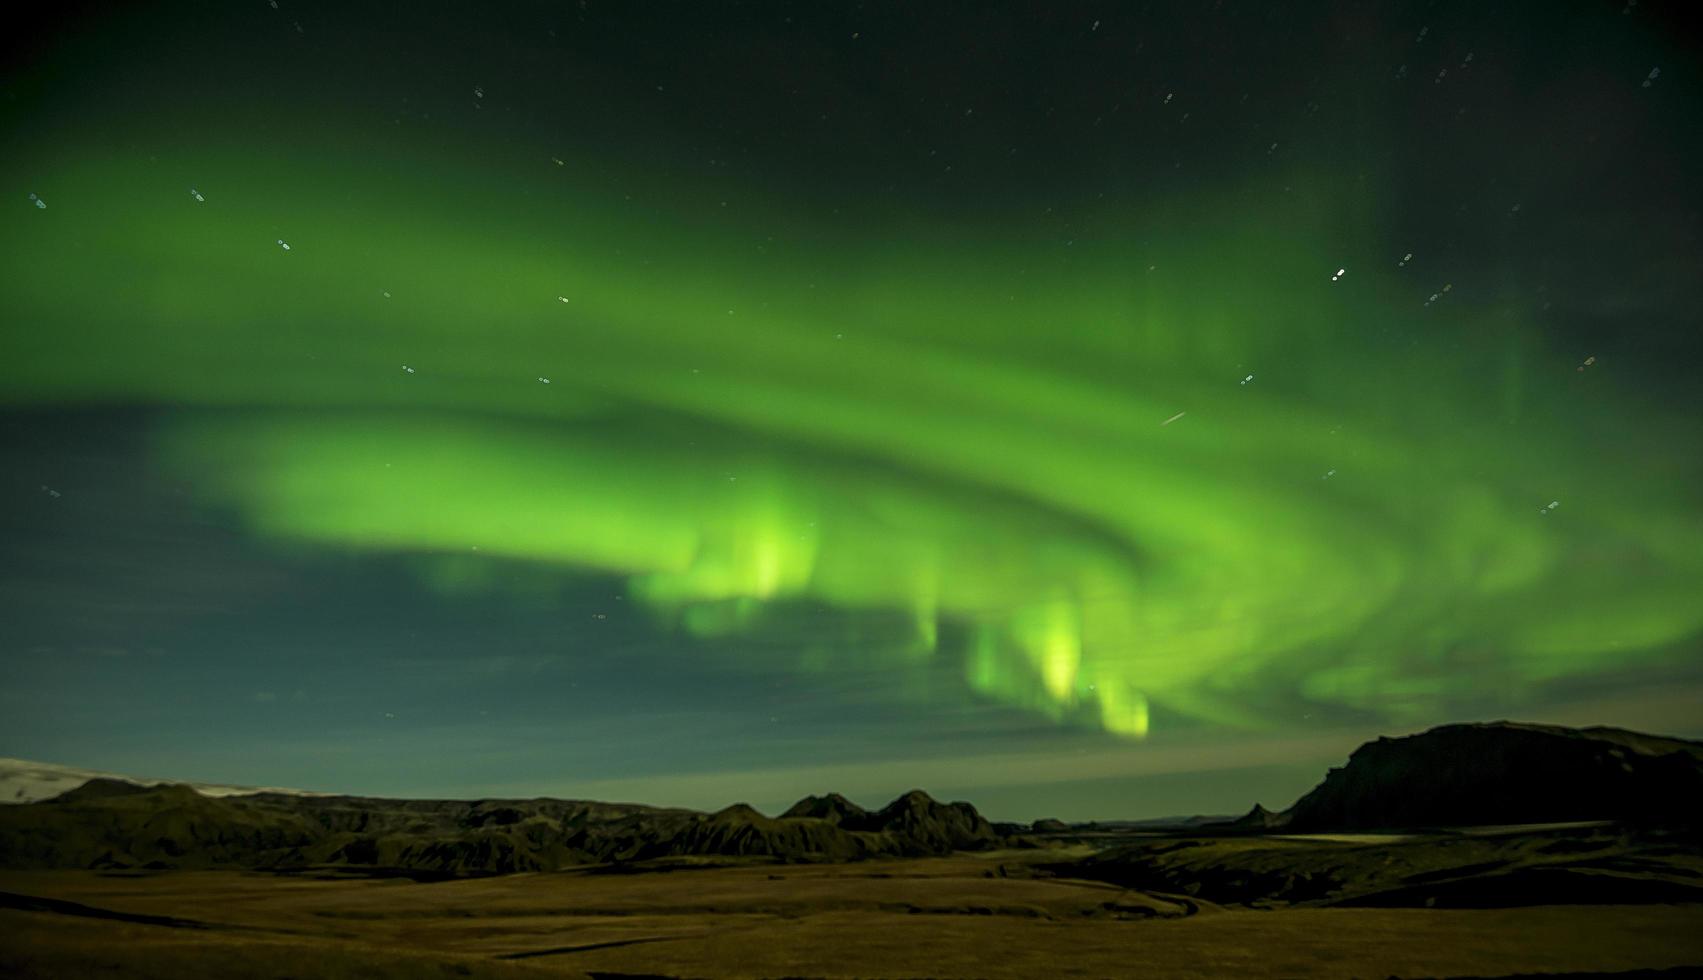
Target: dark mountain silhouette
(110,824)
(741,830)
(925,826)
(914,820)
(833,808)
(1258,819)
(1621,809)
(1508,773)
(1453,776)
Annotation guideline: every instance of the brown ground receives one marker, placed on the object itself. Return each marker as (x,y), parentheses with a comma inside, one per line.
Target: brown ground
(936,917)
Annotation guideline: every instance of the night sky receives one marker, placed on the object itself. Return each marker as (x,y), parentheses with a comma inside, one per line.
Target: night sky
(1087,410)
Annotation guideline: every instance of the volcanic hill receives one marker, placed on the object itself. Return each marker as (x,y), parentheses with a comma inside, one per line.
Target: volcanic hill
(1506,773)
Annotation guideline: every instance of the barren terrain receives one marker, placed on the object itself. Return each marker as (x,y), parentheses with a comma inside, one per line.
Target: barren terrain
(984,915)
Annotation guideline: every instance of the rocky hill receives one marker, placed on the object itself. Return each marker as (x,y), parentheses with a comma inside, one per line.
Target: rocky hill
(833,808)
(1507,773)
(1494,815)
(115,824)
(923,826)
(1257,820)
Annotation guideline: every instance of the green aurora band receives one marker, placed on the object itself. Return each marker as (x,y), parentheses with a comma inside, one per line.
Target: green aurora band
(760,407)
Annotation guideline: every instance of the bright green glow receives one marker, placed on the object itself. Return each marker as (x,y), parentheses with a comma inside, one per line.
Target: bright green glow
(963,430)
(1123,712)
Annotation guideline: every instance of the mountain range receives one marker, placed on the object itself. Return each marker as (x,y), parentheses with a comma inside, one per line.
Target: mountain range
(108,823)
(1452,776)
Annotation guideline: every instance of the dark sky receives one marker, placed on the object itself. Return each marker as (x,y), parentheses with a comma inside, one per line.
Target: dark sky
(1088,410)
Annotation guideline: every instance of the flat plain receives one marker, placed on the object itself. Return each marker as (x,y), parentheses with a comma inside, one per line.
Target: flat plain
(991,914)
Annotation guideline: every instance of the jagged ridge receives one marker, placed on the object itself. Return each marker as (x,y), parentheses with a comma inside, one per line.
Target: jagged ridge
(111,824)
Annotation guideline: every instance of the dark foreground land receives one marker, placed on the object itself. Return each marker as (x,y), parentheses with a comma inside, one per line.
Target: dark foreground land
(1014,913)
(112,879)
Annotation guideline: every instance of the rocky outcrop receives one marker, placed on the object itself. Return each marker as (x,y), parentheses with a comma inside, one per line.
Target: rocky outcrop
(833,808)
(926,826)
(1259,819)
(1508,773)
(112,824)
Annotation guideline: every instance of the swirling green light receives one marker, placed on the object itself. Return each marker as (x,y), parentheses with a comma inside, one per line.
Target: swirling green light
(965,427)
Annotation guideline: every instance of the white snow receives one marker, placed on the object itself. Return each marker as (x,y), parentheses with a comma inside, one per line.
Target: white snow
(23,781)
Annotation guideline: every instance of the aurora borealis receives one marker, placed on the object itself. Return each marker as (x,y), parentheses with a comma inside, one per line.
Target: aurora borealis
(987,414)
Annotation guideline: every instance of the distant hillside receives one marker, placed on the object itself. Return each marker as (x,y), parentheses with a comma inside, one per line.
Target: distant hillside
(113,824)
(1453,776)
(1507,773)
(22,781)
